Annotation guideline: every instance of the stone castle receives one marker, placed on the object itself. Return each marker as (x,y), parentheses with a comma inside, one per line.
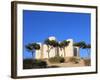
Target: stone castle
(70,50)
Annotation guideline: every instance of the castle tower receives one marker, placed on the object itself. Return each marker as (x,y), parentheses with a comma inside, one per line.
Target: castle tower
(69,49)
(52,38)
(45,51)
(38,52)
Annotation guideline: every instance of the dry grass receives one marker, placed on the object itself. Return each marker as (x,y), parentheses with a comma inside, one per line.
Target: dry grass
(87,62)
(74,60)
(56,60)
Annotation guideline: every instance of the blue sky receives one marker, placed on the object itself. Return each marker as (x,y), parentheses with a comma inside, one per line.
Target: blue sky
(39,25)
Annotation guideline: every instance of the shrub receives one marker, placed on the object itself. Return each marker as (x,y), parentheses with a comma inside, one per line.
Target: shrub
(62,60)
(30,63)
(56,59)
(27,63)
(74,60)
(41,63)
(87,62)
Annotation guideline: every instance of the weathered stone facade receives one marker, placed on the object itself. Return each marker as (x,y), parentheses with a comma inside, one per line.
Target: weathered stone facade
(70,50)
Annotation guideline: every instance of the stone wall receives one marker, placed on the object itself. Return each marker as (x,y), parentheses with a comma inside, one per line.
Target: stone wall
(70,51)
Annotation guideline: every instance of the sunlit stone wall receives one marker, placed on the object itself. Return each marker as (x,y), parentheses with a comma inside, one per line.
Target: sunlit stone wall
(38,52)
(70,50)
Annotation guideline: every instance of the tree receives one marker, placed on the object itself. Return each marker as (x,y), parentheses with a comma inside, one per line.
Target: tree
(31,47)
(83,45)
(55,44)
(87,46)
(63,44)
(50,44)
(80,44)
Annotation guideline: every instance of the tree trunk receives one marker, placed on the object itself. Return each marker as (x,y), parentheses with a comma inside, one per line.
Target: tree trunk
(55,51)
(58,51)
(64,52)
(42,52)
(48,52)
(88,53)
(32,55)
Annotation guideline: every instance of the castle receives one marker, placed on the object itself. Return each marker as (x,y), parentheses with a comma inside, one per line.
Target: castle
(70,50)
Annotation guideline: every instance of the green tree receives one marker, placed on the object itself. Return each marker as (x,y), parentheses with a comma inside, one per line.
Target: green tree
(87,47)
(83,45)
(55,44)
(63,44)
(50,44)
(80,44)
(31,47)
